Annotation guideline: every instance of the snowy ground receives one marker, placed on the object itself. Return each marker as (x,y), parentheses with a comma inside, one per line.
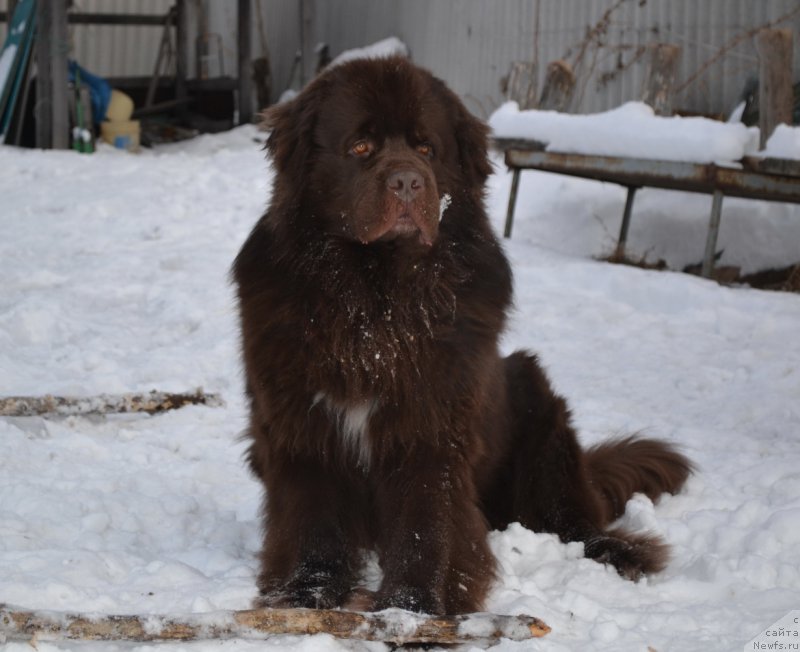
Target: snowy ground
(114,278)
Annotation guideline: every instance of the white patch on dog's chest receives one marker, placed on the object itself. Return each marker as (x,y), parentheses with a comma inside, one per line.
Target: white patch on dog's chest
(352,425)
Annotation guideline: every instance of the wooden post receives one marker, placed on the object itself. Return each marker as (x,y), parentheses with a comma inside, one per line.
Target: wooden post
(244,56)
(775,95)
(181,54)
(306,41)
(522,83)
(59,50)
(659,79)
(43,111)
(559,84)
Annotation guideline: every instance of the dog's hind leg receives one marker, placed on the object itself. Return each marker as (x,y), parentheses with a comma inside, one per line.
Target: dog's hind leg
(552,485)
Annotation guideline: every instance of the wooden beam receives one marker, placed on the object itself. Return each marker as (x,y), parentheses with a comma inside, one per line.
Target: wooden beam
(775,93)
(82,18)
(244,54)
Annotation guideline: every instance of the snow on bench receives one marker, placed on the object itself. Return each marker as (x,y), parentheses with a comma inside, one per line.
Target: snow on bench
(633,147)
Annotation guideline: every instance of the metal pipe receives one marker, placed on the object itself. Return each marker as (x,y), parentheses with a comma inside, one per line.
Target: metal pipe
(512,200)
(626,222)
(713,232)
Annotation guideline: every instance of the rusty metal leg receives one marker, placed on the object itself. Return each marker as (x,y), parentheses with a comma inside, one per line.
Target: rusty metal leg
(713,232)
(512,201)
(626,222)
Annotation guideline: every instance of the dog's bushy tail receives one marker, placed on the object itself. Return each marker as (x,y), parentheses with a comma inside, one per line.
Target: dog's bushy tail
(622,467)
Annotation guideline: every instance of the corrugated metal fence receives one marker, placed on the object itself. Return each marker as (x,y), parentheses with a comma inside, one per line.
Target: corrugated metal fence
(113,50)
(472,43)
(117,50)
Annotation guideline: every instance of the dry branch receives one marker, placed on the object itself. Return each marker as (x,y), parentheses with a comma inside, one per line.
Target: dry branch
(390,626)
(152,402)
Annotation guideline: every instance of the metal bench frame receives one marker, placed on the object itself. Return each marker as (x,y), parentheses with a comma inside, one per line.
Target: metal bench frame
(765,179)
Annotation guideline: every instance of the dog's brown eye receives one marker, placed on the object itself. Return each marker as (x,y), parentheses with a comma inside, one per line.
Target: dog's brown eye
(426,149)
(361,148)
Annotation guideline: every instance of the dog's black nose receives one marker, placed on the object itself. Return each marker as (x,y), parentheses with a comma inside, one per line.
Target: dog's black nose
(406,184)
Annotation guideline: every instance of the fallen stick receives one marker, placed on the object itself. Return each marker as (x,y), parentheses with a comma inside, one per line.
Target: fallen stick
(152,402)
(390,626)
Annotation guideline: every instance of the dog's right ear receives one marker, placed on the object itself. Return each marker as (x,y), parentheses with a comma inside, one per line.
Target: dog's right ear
(291,125)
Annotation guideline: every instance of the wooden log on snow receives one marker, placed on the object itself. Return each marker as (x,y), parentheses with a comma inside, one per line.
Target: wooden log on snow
(390,626)
(152,402)
(775,93)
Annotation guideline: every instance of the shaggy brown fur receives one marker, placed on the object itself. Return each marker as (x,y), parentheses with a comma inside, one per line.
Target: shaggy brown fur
(372,295)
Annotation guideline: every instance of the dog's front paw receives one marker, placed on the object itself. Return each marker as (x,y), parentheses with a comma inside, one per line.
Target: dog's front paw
(304,591)
(360,599)
(409,598)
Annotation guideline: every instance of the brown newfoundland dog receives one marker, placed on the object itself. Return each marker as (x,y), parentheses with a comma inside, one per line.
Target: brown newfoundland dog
(372,296)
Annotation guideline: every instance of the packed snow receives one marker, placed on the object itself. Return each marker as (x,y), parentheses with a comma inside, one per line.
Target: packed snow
(634,130)
(388,47)
(783,143)
(114,275)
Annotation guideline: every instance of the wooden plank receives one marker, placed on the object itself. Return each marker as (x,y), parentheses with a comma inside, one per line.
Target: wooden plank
(559,85)
(775,93)
(659,78)
(522,84)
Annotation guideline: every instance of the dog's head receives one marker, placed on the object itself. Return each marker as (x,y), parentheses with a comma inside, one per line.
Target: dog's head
(374,150)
